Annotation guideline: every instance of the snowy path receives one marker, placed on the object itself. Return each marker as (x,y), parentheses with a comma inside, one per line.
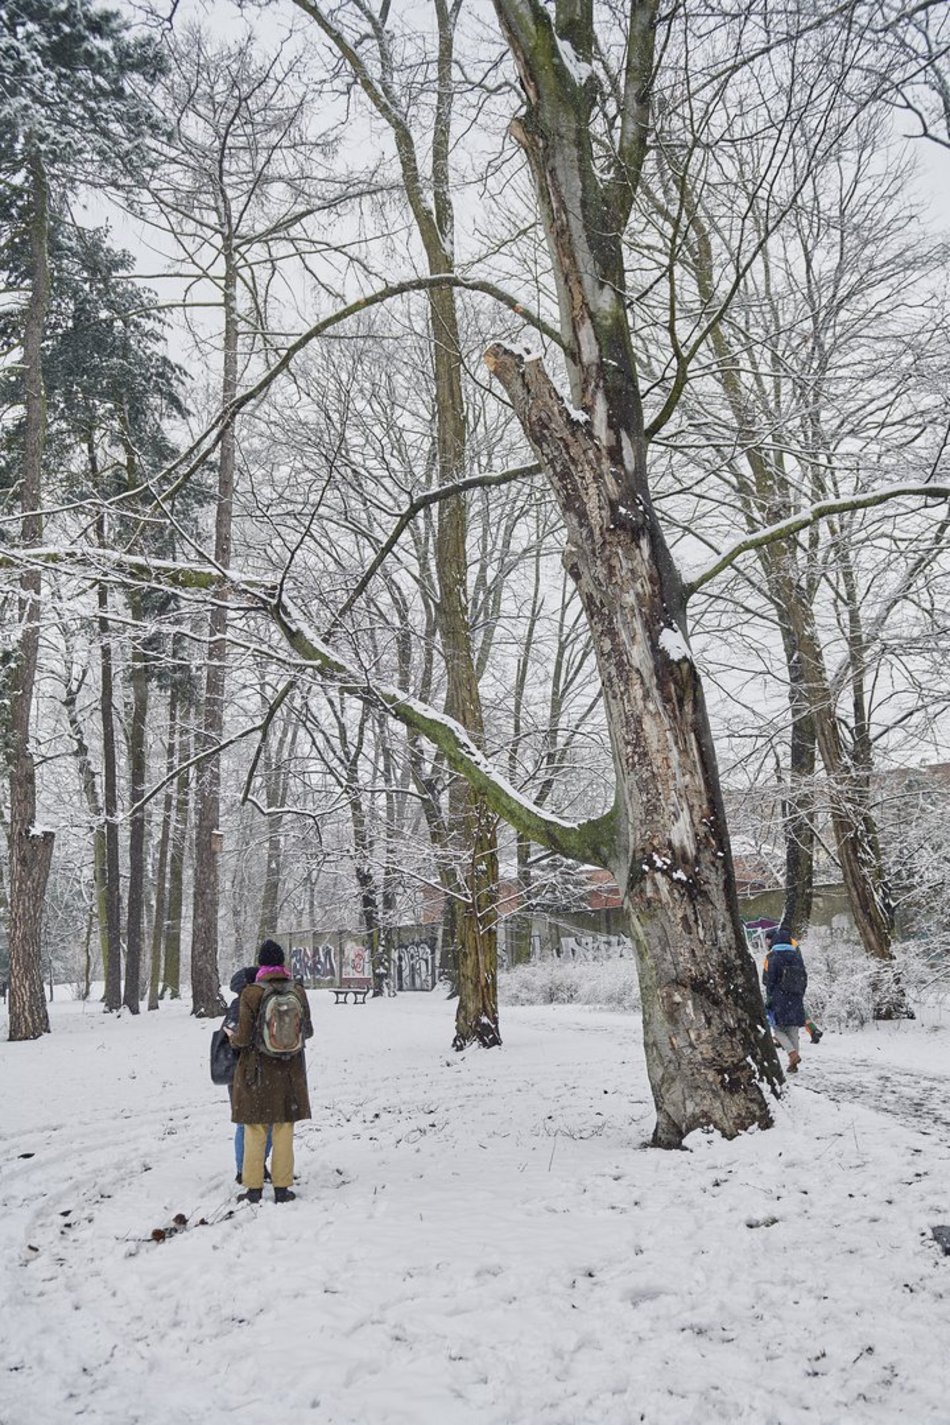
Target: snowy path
(917,1100)
(478,1238)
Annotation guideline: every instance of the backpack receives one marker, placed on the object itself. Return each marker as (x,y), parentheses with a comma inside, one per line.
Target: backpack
(223,1058)
(278,1032)
(794,977)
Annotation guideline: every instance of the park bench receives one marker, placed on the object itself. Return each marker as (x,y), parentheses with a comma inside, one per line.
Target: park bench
(358,990)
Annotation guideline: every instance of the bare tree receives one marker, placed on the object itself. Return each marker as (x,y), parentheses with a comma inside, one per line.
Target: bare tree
(231,190)
(821,363)
(472,862)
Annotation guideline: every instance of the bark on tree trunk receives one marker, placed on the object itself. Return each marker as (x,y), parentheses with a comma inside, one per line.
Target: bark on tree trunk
(91,792)
(472,827)
(276,785)
(31,855)
(161,873)
(476,1015)
(798,813)
(171,976)
(135,905)
(113,963)
(31,850)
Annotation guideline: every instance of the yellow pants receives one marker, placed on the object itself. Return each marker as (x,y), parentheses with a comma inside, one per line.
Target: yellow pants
(281,1158)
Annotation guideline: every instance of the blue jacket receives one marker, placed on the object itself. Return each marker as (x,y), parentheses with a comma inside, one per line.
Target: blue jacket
(784,1005)
(239,982)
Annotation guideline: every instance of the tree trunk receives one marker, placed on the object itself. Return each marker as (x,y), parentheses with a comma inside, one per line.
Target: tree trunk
(161,872)
(276,788)
(472,833)
(855,835)
(270,894)
(206,998)
(706,1043)
(31,850)
(708,1049)
(87,777)
(87,952)
(113,961)
(171,977)
(798,810)
(476,1015)
(138,757)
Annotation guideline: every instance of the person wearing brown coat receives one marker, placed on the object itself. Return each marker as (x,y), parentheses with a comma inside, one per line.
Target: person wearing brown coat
(268,1092)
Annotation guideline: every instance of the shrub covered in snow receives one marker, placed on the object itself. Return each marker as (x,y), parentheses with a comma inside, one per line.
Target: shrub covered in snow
(609,984)
(844,984)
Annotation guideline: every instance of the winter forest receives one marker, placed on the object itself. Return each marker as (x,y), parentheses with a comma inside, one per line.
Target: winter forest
(475,507)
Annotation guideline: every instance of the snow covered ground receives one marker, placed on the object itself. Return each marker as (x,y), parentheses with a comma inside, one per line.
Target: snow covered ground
(479,1238)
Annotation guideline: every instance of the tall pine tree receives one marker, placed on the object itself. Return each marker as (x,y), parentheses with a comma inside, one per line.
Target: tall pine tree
(69,115)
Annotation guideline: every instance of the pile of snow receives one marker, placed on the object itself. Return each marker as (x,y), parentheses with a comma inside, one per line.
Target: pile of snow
(480,1239)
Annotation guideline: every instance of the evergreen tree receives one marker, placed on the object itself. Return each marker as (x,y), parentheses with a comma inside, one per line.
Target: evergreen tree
(69,114)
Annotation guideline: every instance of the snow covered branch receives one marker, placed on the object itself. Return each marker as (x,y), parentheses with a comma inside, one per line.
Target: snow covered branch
(823,509)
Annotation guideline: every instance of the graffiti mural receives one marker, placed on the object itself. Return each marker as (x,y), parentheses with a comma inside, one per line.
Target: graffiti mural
(324,962)
(318,962)
(415,965)
(355,961)
(593,947)
(345,957)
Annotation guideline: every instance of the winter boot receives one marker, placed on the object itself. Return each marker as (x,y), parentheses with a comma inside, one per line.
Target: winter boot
(794,1059)
(815,1033)
(284,1195)
(252,1195)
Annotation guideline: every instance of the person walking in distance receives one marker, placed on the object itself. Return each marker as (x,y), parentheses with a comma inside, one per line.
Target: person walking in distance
(814,1033)
(786,980)
(270,1082)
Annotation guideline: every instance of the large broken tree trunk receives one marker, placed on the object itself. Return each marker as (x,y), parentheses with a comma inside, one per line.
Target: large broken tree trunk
(707,1046)
(704,1032)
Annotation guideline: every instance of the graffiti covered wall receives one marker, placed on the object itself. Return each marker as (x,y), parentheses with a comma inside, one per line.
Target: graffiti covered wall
(414,965)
